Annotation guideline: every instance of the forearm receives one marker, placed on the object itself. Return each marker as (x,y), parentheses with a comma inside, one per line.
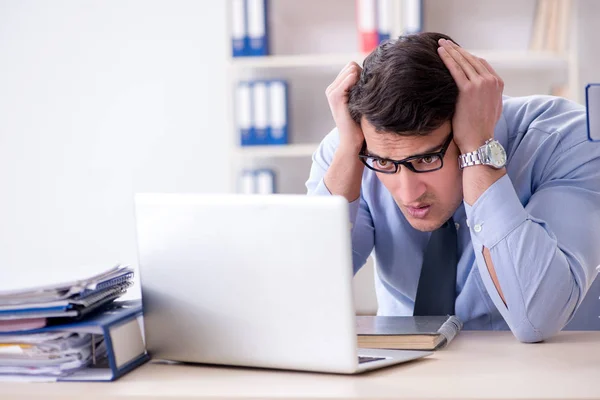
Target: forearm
(541,284)
(359,215)
(476,180)
(344,175)
(541,292)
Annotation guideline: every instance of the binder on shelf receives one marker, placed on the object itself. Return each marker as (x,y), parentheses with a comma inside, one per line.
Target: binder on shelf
(413,16)
(247,183)
(278,113)
(258,43)
(260,112)
(117,346)
(239,31)
(244,113)
(384,19)
(366,13)
(257,181)
(592,105)
(551,26)
(265,181)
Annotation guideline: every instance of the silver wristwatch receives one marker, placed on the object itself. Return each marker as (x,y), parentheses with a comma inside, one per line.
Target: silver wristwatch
(491,153)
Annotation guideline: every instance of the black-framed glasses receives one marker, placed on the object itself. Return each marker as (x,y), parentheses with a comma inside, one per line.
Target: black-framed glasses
(420,163)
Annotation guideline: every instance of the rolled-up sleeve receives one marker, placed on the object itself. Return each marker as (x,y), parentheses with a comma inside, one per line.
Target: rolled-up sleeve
(544,253)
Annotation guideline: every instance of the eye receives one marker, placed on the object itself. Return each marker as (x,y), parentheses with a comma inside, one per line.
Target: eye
(428,159)
(383,164)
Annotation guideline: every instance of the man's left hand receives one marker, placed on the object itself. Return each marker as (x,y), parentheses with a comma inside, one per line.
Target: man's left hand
(479,104)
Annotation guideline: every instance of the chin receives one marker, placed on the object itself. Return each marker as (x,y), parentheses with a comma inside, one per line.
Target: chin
(424,225)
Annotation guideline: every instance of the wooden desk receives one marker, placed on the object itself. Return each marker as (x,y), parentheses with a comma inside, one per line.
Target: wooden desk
(476,365)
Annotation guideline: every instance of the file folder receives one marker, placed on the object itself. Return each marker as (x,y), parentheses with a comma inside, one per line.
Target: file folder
(366,13)
(278,113)
(384,19)
(260,113)
(244,113)
(123,347)
(239,31)
(413,11)
(257,27)
(265,181)
(247,183)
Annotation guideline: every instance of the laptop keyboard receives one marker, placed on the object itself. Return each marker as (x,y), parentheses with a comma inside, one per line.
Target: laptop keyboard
(365,359)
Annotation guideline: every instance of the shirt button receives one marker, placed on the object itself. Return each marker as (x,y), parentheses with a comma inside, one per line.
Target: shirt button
(468,225)
(477,228)
(457,225)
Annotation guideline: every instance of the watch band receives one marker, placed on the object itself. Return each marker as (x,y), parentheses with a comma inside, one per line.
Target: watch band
(470,159)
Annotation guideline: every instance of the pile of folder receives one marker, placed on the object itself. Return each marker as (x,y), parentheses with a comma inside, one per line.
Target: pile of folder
(60,330)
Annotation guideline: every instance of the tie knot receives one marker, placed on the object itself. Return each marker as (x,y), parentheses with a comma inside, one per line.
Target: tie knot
(448,223)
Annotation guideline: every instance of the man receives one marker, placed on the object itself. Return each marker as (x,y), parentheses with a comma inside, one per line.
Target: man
(525,206)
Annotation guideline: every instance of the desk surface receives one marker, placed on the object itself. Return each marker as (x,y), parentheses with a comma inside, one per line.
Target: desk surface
(482,365)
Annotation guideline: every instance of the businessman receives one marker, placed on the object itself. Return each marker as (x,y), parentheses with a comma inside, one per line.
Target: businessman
(475,204)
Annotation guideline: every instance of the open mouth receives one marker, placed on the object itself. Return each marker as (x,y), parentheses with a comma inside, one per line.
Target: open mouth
(419,212)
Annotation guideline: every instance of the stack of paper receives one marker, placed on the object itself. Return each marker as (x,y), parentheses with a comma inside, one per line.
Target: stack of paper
(48,353)
(31,308)
(71,330)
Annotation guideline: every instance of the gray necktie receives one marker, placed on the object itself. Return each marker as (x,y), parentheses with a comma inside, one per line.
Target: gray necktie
(436,291)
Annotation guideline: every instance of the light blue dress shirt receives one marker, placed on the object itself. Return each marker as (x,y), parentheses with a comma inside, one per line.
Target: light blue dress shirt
(541,223)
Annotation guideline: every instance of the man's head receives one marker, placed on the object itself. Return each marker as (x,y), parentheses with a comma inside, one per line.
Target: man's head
(404,101)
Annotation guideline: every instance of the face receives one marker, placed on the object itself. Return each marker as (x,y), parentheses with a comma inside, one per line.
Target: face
(429,199)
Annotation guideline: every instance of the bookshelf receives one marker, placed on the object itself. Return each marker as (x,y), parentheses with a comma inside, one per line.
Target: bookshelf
(308,49)
(502,58)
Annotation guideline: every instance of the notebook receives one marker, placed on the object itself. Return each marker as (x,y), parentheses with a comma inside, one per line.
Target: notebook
(406,333)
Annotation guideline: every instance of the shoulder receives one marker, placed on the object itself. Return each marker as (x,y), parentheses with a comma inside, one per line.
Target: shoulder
(552,131)
(547,114)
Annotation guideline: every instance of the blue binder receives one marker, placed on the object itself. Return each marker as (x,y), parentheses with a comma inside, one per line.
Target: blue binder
(278,112)
(244,113)
(121,328)
(413,10)
(256,12)
(260,113)
(384,17)
(265,181)
(239,28)
(592,104)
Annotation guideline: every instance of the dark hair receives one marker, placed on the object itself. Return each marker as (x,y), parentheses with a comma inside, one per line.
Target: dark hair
(405,87)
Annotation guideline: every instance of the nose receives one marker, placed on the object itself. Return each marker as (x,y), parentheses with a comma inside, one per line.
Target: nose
(408,186)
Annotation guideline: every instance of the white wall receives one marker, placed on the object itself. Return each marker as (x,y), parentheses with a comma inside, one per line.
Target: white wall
(100,99)
(589,48)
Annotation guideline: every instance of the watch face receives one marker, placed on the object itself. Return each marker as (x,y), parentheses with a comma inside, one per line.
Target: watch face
(496,154)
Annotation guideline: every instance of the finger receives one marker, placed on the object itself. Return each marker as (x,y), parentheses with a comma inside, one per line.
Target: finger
(499,80)
(341,75)
(347,83)
(339,97)
(489,68)
(466,66)
(455,70)
(473,60)
(348,66)
(351,70)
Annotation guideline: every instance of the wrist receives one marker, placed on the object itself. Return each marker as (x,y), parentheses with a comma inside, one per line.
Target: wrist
(473,143)
(349,149)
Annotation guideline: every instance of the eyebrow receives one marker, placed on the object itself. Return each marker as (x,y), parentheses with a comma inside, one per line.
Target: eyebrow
(427,151)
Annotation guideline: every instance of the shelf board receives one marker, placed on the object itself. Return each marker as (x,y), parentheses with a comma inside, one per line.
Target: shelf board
(501,58)
(278,151)
(296,60)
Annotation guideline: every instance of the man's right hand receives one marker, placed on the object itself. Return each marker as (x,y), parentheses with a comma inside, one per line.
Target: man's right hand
(344,174)
(351,135)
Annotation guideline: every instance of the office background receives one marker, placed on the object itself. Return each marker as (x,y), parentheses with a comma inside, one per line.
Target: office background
(101,99)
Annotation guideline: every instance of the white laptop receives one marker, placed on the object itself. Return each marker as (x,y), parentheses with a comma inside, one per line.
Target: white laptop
(251,280)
